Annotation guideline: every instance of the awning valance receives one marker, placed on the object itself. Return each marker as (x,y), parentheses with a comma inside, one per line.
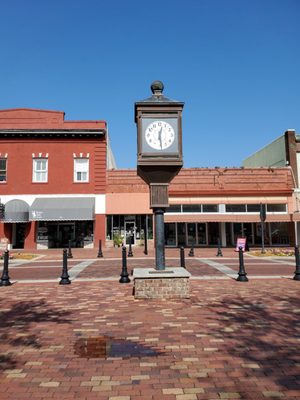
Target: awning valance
(63,209)
(16,211)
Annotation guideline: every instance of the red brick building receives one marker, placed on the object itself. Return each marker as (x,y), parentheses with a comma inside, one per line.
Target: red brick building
(52,179)
(207,204)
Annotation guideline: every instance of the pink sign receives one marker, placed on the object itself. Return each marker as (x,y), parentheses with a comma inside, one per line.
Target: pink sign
(240,242)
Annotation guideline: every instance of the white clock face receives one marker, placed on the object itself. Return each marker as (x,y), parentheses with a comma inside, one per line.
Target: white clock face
(159,135)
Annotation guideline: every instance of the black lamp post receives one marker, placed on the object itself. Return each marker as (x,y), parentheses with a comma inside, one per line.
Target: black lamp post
(263,216)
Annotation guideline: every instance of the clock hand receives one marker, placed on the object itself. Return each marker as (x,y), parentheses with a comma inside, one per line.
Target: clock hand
(159,137)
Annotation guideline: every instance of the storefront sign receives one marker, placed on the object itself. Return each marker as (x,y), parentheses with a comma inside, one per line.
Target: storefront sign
(240,242)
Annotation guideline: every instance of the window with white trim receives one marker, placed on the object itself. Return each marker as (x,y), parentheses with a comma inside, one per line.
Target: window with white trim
(81,169)
(3,169)
(40,170)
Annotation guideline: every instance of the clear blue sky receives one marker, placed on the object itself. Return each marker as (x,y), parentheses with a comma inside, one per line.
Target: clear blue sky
(235,64)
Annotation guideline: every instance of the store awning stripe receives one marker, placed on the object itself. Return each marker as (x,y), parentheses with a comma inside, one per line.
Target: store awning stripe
(16,211)
(63,209)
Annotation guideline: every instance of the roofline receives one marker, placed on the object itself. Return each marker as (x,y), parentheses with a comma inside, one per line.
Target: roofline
(31,109)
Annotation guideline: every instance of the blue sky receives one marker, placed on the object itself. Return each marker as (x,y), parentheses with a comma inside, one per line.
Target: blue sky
(235,64)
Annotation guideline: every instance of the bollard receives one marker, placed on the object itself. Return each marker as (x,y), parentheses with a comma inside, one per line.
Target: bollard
(219,253)
(130,253)
(100,254)
(5,278)
(124,273)
(182,259)
(242,273)
(65,276)
(191,252)
(70,255)
(297,272)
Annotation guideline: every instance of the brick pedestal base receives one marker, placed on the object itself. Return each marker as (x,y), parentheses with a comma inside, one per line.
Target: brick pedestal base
(171,283)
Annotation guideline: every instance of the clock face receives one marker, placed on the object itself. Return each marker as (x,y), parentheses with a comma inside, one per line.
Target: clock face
(159,135)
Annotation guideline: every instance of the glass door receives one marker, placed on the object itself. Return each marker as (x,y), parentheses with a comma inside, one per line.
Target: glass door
(130,232)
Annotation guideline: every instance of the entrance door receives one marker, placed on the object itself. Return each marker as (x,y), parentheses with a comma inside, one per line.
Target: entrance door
(19,235)
(66,232)
(130,232)
(181,234)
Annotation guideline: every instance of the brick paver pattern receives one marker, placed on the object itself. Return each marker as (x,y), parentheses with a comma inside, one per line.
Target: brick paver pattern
(94,340)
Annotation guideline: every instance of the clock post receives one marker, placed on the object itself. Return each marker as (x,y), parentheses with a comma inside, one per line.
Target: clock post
(159,140)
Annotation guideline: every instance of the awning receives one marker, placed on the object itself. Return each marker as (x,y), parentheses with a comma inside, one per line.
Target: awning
(16,211)
(63,209)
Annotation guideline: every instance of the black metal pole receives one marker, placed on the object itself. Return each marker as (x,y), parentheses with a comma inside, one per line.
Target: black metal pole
(146,236)
(297,257)
(262,238)
(70,255)
(182,259)
(130,253)
(100,254)
(5,277)
(263,216)
(242,273)
(159,239)
(219,253)
(124,273)
(65,276)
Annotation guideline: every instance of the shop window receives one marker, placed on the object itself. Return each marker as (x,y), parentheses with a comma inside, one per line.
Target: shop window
(81,169)
(40,170)
(3,169)
(210,208)
(238,208)
(191,208)
(174,208)
(170,234)
(276,207)
(253,208)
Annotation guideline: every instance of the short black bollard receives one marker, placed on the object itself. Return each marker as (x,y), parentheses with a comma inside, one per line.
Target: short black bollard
(182,259)
(124,273)
(65,276)
(130,253)
(5,278)
(191,252)
(297,257)
(219,253)
(70,255)
(242,273)
(100,254)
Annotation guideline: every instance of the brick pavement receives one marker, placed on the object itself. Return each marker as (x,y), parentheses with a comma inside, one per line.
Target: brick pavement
(93,340)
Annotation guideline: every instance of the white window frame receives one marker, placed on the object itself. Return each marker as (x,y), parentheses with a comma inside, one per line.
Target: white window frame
(42,172)
(4,170)
(83,170)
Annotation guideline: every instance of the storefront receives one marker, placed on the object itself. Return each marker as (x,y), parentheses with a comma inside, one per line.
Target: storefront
(206,224)
(63,220)
(120,229)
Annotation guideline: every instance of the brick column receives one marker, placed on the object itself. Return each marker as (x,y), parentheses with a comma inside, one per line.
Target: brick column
(99,229)
(30,235)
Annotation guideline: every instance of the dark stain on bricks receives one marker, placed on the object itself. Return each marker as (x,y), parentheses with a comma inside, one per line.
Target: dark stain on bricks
(107,347)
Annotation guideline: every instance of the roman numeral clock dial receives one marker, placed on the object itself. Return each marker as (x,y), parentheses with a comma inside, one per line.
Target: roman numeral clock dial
(159,135)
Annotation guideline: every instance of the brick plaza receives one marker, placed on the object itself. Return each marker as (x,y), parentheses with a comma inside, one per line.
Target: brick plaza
(93,340)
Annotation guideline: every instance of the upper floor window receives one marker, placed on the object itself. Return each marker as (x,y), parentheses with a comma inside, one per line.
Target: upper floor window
(3,169)
(40,170)
(81,169)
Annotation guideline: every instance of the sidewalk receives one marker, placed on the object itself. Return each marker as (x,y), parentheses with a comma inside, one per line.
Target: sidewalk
(93,340)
